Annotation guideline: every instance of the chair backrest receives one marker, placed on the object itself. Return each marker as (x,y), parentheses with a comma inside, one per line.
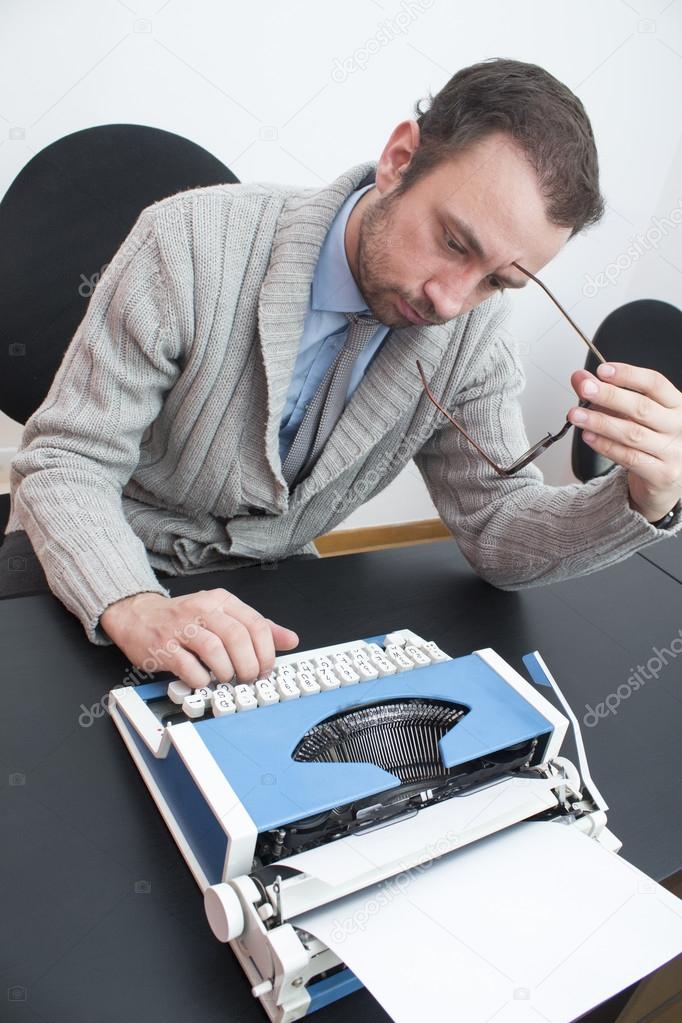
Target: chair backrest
(646,332)
(61,221)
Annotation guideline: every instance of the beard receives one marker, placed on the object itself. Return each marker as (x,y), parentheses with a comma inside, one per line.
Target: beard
(374,269)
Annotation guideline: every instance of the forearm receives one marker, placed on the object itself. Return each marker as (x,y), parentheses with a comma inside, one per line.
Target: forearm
(534,534)
(90,555)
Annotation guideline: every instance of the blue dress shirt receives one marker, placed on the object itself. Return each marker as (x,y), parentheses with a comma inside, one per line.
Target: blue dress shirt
(333,292)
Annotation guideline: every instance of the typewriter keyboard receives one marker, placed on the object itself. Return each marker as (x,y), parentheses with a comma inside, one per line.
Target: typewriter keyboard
(306,674)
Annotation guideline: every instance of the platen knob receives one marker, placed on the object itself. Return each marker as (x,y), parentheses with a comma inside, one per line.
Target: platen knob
(224,911)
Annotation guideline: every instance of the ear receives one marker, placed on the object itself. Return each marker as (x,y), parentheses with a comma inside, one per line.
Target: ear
(397,153)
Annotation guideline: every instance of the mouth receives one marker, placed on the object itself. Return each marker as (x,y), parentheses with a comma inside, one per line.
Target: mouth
(411,314)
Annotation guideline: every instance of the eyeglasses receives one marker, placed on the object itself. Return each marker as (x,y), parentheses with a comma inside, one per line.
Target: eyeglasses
(537,449)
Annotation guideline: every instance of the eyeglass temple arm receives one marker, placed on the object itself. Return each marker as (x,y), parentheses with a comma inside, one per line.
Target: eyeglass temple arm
(590,344)
(542,445)
(531,455)
(525,459)
(493,465)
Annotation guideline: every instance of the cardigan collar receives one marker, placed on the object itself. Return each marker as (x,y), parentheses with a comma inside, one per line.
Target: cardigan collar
(392,383)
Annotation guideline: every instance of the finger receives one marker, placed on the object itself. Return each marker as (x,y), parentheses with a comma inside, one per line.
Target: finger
(244,632)
(624,431)
(260,630)
(647,466)
(630,404)
(283,638)
(601,408)
(211,649)
(266,638)
(188,669)
(645,381)
(260,635)
(218,608)
(239,646)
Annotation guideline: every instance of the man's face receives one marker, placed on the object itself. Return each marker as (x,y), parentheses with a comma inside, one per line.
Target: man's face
(419,247)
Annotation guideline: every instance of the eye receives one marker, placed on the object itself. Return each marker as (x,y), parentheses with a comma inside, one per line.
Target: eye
(454,246)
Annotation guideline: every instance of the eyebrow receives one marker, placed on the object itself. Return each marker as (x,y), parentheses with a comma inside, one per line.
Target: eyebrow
(473,243)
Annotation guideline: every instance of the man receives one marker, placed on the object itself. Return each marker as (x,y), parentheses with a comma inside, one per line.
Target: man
(197,420)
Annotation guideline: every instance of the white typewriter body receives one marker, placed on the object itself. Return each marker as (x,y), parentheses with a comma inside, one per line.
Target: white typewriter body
(348,766)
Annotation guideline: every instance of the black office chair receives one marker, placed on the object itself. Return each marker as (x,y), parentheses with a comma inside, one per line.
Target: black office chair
(62,219)
(646,332)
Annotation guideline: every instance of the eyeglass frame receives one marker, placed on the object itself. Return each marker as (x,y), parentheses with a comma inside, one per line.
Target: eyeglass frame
(537,449)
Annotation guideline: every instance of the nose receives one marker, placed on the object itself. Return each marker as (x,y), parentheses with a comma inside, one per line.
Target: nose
(449,296)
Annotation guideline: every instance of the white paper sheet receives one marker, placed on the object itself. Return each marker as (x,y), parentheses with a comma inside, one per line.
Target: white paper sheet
(538,922)
(427,834)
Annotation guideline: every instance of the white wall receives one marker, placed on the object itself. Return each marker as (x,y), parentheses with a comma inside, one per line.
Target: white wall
(299,91)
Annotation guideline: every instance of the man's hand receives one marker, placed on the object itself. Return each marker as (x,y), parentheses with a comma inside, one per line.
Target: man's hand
(637,423)
(211,629)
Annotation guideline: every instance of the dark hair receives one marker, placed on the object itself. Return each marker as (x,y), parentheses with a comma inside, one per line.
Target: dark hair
(541,114)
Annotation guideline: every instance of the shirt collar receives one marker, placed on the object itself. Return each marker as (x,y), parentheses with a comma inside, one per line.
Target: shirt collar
(333,286)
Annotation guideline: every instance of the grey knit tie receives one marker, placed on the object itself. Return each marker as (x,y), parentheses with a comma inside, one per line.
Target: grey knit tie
(325,407)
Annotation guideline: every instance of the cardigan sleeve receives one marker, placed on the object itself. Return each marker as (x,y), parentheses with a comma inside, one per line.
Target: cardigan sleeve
(79,449)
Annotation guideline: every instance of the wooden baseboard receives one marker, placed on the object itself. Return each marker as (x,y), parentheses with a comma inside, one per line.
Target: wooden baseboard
(373,538)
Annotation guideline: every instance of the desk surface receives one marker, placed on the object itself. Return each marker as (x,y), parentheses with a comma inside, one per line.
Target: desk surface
(667,555)
(102,917)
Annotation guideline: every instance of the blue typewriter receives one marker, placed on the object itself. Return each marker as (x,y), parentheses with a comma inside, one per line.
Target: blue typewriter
(345,767)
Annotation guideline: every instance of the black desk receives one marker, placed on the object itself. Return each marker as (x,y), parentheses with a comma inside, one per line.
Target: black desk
(667,555)
(102,918)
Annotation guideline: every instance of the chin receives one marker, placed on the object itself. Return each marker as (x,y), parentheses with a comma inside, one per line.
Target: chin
(384,313)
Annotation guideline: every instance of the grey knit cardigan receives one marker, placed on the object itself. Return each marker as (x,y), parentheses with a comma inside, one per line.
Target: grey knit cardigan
(157,444)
